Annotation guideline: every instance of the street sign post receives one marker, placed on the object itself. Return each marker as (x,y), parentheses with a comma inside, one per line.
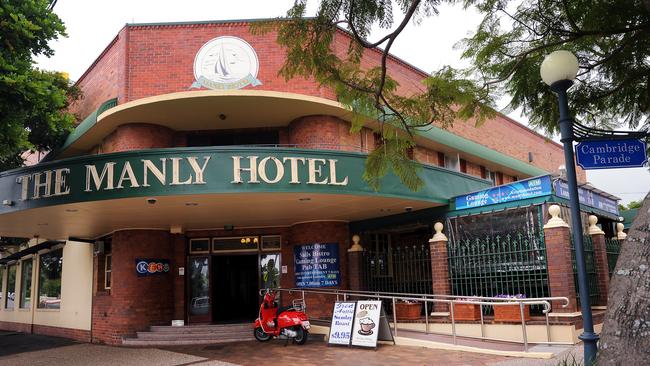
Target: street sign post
(608,154)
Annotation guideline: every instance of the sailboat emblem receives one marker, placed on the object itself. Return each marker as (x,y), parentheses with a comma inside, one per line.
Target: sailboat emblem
(226,63)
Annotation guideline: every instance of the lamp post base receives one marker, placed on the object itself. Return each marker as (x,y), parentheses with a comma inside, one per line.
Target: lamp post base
(590,341)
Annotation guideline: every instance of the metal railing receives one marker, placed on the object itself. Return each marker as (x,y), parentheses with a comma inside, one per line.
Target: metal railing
(613,249)
(510,264)
(450,301)
(592,278)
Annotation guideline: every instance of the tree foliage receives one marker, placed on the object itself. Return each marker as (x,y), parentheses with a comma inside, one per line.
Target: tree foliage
(33,102)
(610,38)
(369,90)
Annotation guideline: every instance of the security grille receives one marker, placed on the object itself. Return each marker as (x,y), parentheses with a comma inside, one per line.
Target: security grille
(489,266)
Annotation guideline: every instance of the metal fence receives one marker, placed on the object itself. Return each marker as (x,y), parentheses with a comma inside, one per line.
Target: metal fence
(511,264)
(403,269)
(592,278)
(612,248)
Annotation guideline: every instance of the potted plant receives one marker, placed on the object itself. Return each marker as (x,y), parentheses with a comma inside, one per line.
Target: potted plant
(511,313)
(408,310)
(465,311)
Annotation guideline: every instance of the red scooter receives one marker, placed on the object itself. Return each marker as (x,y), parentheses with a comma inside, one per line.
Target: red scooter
(289,322)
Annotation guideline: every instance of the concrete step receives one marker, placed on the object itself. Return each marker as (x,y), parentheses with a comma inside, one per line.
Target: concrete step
(202,328)
(208,335)
(136,342)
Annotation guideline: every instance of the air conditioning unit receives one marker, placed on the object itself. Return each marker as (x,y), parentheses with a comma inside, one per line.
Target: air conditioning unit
(98,247)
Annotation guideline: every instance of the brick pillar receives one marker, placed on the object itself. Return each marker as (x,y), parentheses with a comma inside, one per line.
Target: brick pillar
(557,237)
(439,267)
(355,265)
(600,260)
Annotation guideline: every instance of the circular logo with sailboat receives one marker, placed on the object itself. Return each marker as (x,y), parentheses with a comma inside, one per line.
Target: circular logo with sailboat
(226,63)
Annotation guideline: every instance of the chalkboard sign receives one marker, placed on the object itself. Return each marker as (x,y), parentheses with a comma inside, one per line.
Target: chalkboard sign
(342,320)
(317,265)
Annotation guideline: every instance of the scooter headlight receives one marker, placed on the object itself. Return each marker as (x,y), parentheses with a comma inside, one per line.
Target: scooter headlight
(305,324)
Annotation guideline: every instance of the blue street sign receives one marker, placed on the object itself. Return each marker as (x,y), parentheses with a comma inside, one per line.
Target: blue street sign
(607,154)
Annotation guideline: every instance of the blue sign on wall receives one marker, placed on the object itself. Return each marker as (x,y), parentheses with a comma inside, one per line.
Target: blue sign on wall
(317,265)
(606,154)
(529,188)
(587,197)
(148,267)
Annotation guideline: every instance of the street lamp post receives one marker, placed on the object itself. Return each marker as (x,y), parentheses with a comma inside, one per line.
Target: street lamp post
(558,71)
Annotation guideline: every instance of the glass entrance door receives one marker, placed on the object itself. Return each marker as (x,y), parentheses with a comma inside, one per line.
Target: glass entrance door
(199,309)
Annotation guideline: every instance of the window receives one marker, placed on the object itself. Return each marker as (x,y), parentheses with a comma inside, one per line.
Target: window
(236,244)
(49,280)
(108,264)
(463,166)
(441,159)
(499,178)
(26,284)
(271,242)
(452,162)
(11,287)
(199,245)
(270,270)
(483,172)
(234,138)
(490,175)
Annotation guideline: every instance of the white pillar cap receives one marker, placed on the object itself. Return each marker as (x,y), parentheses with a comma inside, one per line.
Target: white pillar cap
(555,220)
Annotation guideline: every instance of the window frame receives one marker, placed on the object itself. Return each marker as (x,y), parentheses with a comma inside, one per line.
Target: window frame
(38,287)
(31,281)
(6,299)
(209,240)
(108,270)
(263,249)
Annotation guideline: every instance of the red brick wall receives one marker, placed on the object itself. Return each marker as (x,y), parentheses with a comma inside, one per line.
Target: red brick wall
(560,269)
(318,306)
(103,78)
(161,59)
(152,60)
(16,327)
(323,132)
(138,136)
(76,334)
(440,272)
(135,303)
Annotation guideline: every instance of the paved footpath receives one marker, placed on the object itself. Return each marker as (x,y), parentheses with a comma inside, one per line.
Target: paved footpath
(21,349)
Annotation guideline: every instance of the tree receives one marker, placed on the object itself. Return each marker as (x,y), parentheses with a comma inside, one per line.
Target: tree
(625,339)
(372,92)
(610,38)
(33,102)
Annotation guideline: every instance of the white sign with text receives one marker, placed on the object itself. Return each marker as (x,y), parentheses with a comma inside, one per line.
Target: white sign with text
(366,323)
(342,320)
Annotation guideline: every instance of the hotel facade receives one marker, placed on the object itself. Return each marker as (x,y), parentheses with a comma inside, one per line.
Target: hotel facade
(197,175)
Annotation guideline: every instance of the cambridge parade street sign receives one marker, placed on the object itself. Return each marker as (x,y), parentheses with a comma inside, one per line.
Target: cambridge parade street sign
(607,154)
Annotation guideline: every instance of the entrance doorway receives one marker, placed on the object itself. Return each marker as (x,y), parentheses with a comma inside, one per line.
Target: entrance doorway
(235,285)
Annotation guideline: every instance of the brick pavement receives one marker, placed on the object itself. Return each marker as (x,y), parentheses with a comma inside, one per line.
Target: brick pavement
(318,353)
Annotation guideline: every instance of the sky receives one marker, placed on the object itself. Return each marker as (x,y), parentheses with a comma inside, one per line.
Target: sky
(429,45)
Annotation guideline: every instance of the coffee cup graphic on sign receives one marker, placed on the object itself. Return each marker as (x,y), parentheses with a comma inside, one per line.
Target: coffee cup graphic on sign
(366,326)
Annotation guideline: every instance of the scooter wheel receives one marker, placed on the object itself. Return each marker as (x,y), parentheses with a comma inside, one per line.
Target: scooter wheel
(260,335)
(301,336)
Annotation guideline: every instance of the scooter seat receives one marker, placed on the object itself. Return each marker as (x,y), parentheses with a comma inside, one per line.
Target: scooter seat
(284,308)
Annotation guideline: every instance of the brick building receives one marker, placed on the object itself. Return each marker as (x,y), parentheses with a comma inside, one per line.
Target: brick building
(198,175)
